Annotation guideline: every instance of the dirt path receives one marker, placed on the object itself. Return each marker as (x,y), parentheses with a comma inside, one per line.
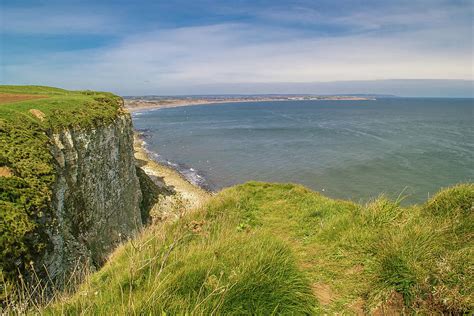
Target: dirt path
(10,97)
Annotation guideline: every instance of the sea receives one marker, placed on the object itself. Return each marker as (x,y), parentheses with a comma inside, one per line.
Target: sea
(405,148)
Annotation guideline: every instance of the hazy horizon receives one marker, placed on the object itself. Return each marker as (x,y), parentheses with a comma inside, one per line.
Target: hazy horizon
(395,87)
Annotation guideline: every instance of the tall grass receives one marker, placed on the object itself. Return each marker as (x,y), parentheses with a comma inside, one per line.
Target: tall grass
(264,248)
(203,264)
(32,293)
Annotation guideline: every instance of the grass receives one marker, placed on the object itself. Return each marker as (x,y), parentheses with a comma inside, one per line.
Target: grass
(25,192)
(61,108)
(263,248)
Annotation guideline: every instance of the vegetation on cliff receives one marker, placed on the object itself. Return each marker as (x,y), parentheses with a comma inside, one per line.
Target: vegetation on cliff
(28,116)
(262,248)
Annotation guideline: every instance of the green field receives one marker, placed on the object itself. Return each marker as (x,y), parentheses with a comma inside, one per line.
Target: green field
(26,168)
(263,249)
(61,107)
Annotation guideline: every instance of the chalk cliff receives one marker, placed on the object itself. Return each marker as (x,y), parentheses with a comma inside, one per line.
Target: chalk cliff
(96,196)
(69,189)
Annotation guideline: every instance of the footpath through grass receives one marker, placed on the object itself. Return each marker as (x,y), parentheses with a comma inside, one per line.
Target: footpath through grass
(264,248)
(29,115)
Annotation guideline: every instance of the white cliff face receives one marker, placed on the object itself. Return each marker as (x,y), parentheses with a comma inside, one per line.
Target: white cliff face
(96,196)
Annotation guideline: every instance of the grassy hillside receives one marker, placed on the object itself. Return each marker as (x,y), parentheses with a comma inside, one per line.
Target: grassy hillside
(28,114)
(264,248)
(58,107)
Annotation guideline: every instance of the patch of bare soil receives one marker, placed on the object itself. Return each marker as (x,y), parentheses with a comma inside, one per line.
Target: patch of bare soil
(37,113)
(358,307)
(323,293)
(11,97)
(358,268)
(5,172)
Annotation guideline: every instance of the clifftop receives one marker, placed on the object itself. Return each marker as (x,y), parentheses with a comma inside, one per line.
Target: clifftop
(61,154)
(60,107)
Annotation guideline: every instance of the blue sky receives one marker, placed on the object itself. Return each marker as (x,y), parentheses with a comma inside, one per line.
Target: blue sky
(204,47)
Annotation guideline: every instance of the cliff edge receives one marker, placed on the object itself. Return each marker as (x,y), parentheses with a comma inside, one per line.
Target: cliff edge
(69,191)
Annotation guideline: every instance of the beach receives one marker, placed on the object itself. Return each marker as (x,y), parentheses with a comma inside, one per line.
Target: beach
(149,103)
(186,195)
(133,106)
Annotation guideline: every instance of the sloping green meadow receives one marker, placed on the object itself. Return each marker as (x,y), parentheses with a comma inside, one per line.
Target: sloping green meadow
(263,248)
(26,163)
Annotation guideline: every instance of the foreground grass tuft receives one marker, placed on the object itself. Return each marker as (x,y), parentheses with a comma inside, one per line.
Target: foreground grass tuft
(264,248)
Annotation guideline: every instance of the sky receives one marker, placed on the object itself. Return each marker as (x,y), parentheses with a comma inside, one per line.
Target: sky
(404,47)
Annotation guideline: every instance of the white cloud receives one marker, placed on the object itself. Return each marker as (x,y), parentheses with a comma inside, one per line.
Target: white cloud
(174,60)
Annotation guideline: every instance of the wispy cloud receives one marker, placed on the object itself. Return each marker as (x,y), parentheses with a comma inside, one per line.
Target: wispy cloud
(386,17)
(436,45)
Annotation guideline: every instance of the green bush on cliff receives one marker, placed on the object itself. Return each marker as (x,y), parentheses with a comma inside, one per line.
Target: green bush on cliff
(262,248)
(25,192)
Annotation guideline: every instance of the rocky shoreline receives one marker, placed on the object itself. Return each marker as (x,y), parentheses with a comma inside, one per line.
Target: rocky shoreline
(183,194)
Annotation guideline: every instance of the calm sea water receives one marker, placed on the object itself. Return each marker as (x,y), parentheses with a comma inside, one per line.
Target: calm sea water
(346,149)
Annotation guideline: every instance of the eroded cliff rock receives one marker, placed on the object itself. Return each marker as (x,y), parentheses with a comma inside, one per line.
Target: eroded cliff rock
(96,195)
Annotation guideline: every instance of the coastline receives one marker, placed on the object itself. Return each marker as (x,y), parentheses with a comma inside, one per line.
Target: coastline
(186,195)
(141,105)
(154,106)
(169,177)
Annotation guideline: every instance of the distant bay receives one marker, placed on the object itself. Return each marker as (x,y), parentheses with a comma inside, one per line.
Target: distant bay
(346,149)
